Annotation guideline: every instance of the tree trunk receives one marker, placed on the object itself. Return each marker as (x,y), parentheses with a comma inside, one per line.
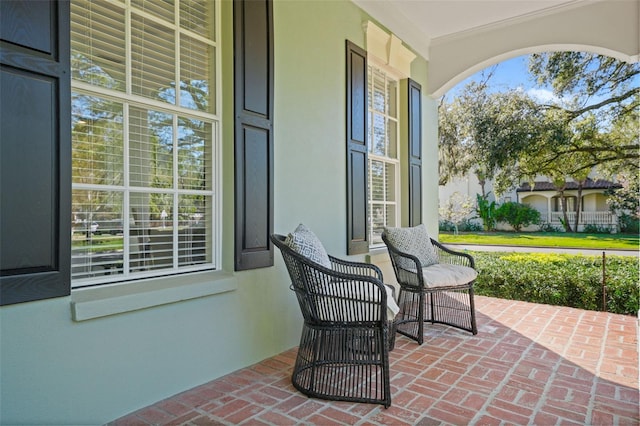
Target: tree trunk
(567,225)
(482,183)
(578,205)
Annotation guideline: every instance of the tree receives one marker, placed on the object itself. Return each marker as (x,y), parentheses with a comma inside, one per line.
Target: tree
(591,126)
(485,131)
(625,202)
(517,215)
(600,95)
(456,209)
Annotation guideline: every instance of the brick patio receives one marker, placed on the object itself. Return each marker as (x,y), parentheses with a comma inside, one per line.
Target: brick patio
(529,364)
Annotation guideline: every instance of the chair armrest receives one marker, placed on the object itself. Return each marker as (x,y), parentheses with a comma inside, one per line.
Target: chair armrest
(355,268)
(453,257)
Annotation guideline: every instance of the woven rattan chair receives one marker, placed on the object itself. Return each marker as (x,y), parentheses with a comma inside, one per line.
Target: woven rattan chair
(439,293)
(346,337)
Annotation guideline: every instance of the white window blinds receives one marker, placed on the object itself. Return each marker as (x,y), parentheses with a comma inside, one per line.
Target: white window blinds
(383,152)
(145,132)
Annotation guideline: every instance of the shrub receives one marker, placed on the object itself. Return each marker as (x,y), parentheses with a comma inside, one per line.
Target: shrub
(446,226)
(466,225)
(560,279)
(517,215)
(469,225)
(548,227)
(486,212)
(591,228)
(629,224)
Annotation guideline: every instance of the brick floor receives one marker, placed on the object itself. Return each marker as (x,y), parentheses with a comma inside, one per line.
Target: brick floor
(528,364)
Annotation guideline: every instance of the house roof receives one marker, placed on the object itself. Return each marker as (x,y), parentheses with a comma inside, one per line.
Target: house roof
(548,186)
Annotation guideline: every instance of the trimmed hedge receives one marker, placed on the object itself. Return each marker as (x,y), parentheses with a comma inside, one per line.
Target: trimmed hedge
(560,279)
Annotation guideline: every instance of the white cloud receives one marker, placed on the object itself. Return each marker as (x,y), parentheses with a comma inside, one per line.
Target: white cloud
(544,96)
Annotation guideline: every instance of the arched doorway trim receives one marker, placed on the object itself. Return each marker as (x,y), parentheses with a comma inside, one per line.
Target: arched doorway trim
(604,27)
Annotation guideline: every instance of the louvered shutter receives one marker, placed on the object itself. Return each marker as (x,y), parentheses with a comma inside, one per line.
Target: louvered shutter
(357,160)
(253,45)
(35,151)
(415,153)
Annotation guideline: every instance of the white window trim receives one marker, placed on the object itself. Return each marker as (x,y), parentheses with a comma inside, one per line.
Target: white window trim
(216,122)
(127,296)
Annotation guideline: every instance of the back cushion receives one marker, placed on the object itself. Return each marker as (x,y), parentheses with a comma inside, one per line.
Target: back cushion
(415,241)
(305,242)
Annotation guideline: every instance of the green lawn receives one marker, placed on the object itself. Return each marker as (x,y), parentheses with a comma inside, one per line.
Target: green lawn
(546,239)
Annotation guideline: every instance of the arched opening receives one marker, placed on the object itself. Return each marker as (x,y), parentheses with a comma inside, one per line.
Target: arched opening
(554,146)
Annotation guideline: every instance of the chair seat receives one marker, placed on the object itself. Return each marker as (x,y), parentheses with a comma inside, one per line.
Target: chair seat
(444,275)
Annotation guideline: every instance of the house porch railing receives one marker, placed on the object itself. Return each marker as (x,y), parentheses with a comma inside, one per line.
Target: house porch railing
(600,218)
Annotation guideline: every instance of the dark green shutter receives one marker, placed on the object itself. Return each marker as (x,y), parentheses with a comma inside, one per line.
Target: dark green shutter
(253,86)
(35,151)
(357,159)
(415,153)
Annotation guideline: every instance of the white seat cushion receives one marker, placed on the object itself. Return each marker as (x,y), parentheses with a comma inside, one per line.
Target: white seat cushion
(443,274)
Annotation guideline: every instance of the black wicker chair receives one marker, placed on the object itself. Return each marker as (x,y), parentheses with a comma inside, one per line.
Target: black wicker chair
(346,337)
(439,302)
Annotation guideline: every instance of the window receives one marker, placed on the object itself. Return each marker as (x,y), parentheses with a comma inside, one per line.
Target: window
(382,142)
(145,132)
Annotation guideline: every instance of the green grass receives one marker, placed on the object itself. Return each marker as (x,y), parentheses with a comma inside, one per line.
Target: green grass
(545,239)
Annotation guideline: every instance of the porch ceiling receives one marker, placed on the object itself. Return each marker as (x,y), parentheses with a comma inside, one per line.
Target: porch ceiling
(460,37)
(430,20)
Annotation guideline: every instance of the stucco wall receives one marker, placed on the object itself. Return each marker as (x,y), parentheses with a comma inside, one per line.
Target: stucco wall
(56,370)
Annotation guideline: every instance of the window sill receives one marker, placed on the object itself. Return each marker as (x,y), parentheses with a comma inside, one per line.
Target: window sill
(119,298)
(378,254)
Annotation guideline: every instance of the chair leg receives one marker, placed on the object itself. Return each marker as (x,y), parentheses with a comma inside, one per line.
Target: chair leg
(454,307)
(472,308)
(411,316)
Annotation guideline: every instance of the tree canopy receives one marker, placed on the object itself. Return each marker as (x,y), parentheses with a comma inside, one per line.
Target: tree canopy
(591,124)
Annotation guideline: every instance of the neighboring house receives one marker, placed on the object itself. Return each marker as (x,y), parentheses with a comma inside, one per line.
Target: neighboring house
(545,198)
(194,130)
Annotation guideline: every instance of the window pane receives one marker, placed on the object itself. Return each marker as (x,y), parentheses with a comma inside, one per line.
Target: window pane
(153,72)
(197,62)
(97,233)
(150,148)
(97,139)
(378,92)
(160,8)
(194,154)
(194,214)
(151,242)
(390,182)
(98,44)
(197,16)
(378,222)
(377,181)
(379,142)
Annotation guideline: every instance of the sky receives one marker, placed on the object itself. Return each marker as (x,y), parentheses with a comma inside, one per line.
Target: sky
(514,73)
(510,74)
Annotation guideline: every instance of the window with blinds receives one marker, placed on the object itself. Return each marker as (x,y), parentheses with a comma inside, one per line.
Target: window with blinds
(382,142)
(145,132)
